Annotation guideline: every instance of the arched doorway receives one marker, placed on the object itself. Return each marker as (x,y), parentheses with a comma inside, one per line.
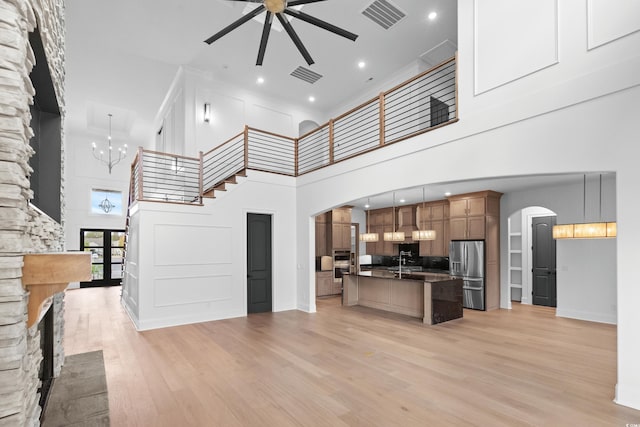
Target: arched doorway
(531,256)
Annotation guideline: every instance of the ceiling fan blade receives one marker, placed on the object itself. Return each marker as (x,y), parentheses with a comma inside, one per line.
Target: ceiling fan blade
(294,37)
(266,30)
(236,24)
(299,2)
(322,24)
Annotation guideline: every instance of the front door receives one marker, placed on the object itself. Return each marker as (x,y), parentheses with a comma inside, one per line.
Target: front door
(258,263)
(544,261)
(106,247)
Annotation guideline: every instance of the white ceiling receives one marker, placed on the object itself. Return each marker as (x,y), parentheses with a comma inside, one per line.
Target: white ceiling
(122,55)
(172,33)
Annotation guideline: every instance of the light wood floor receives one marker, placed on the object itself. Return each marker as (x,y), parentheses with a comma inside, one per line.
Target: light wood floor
(352,366)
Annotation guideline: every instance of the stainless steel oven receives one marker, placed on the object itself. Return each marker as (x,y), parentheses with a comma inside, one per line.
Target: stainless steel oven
(341,262)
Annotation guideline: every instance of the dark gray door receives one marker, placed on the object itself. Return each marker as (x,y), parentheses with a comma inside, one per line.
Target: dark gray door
(544,262)
(258,263)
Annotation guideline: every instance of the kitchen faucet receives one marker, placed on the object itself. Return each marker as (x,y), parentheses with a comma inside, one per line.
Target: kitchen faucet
(400,260)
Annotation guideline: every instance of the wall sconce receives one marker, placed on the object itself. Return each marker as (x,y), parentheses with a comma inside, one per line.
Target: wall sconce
(207,112)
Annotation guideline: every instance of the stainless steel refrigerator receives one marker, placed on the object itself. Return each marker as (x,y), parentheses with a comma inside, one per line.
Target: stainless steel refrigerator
(466,261)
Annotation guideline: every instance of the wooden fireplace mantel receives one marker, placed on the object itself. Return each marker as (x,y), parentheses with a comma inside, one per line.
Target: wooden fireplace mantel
(46,274)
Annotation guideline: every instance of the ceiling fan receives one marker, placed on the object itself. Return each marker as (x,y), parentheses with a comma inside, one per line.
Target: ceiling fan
(279,8)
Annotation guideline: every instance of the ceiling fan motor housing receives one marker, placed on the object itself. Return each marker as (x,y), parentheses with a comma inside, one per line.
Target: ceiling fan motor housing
(275,6)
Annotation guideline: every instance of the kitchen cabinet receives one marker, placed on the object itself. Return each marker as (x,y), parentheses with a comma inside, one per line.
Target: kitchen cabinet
(381,221)
(324,283)
(340,229)
(322,246)
(468,212)
(341,236)
(434,216)
(476,216)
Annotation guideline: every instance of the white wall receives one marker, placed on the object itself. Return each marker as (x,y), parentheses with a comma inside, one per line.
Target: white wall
(578,115)
(232,108)
(586,270)
(192,265)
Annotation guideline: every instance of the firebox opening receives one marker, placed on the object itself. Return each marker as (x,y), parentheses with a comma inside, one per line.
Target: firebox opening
(45,374)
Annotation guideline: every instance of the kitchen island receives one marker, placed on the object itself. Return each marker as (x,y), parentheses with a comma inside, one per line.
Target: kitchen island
(432,297)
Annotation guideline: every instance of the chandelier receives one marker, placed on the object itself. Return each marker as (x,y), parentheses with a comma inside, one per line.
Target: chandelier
(110,161)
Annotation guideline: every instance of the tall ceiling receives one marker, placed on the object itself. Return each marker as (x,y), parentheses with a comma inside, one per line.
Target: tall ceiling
(137,43)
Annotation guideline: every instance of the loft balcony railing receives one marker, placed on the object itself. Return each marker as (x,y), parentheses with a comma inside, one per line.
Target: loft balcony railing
(423,103)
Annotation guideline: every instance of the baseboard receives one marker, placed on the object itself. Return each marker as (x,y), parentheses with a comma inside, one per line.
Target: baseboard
(627,396)
(148,324)
(588,316)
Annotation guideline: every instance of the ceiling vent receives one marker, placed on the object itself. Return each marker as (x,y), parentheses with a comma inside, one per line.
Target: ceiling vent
(384,13)
(306,75)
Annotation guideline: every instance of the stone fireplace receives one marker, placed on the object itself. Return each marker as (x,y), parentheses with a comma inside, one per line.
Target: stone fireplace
(23,227)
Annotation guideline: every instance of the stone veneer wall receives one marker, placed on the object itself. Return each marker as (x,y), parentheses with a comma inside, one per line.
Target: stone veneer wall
(23,229)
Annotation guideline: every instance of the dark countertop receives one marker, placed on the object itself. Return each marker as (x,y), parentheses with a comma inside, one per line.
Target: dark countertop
(424,276)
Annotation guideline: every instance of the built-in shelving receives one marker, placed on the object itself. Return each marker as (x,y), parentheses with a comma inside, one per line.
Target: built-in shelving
(514,248)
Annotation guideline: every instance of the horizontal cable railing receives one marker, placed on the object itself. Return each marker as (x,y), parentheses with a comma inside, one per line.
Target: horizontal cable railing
(223,162)
(313,150)
(270,152)
(424,102)
(420,104)
(357,131)
(171,178)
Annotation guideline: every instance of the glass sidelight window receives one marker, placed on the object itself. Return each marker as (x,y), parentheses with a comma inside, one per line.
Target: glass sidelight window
(107,253)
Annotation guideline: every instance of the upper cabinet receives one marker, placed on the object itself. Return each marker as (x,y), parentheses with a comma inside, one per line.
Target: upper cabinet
(467,214)
(434,216)
(341,229)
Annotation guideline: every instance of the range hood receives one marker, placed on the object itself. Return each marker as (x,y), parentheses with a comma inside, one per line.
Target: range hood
(407,220)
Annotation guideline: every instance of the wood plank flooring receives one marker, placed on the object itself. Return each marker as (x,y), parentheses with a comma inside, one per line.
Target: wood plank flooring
(352,367)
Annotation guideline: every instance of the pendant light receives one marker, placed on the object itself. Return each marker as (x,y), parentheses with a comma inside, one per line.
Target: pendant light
(423,234)
(394,236)
(585,230)
(369,237)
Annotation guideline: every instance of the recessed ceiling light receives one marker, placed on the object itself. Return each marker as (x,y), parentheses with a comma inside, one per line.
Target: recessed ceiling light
(433,15)
(447,194)
(367,206)
(362,64)
(260,80)
(312,99)
(402,200)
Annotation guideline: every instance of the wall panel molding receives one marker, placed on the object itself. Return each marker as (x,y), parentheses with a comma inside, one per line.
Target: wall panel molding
(172,291)
(606,23)
(207,245)
(513,40)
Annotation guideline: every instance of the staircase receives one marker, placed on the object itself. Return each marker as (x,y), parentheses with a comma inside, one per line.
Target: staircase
(222,185)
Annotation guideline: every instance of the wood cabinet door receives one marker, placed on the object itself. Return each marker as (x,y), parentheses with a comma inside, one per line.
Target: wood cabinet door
(346,236)
(476,206)
(458,208)
(458,228)
(476,227)
(437,245)
(321,239)
(387,217)
(336,236)
(437,212)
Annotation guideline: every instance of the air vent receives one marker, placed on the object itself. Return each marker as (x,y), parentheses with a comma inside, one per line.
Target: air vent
(384,13)
(306,75)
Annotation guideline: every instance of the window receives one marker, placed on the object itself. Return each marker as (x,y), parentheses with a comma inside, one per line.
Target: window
(106,202)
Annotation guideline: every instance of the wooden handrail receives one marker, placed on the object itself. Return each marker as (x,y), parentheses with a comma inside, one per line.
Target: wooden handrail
(271,133)
(232,139)
(312,163)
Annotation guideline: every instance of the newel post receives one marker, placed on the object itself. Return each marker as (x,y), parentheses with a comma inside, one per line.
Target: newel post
(382,130)
(331,141)
(246,147)
(200,176)
(140,173)
(295,159)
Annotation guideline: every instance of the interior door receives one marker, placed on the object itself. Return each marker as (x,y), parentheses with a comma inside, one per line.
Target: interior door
(544,261)
(259,268)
